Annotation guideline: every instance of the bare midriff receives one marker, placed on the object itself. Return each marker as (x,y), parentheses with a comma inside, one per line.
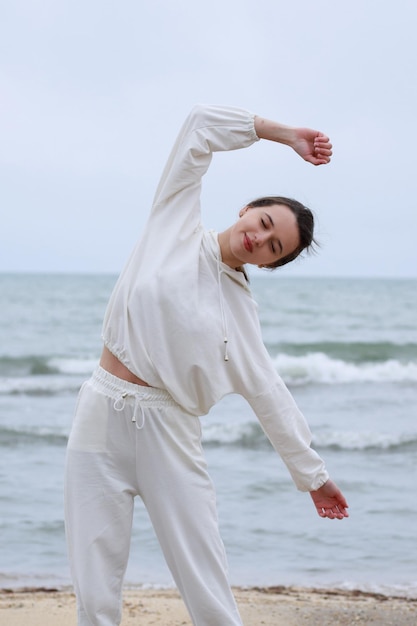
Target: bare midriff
(111,364)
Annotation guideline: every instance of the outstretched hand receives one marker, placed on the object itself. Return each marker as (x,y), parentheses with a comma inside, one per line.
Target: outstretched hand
(329,501)
(312,146)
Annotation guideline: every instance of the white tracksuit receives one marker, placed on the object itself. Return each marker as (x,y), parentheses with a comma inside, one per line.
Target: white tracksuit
(186,323)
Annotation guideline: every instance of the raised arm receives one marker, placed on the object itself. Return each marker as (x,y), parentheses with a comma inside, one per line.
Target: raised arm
(207,129)
(312,145)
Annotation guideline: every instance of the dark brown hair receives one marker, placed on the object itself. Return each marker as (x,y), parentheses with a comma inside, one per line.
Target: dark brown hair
(305,223)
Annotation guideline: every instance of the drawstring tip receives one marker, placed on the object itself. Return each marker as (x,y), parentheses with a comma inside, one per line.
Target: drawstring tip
(226,356)
(134,418)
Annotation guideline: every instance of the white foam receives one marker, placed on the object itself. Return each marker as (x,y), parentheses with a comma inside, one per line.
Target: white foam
(33,385)
(319,368)
(354,440)
(230,433)
(73,366)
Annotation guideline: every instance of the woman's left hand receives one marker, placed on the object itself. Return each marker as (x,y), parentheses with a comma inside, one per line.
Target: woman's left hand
(329,501)
(312,146)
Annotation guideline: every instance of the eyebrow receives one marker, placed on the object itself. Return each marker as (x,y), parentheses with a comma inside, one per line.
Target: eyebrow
(272,224)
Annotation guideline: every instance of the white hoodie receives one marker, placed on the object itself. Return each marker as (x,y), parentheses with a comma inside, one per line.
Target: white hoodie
(183,321)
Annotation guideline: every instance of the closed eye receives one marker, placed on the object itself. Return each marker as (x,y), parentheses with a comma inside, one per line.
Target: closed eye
(266,223)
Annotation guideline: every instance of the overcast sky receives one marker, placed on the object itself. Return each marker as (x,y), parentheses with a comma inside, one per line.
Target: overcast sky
(93,92)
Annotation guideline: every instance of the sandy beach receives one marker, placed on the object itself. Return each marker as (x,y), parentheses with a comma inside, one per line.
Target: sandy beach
(273,606)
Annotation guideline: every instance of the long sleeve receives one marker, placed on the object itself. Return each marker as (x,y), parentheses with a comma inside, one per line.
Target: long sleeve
(207,129)
(287,430)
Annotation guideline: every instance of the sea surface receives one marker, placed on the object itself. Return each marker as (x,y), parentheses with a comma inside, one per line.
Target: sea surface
(347,349)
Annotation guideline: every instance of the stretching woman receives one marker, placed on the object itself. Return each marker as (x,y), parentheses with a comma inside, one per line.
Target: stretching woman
(180,332)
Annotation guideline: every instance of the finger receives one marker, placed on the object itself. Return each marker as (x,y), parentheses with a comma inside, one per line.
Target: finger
(321,138)
(343,512)
(343,502)
(330,513)
(320,146)
(319,160)
(323,150)
(325,512)
(340,512)
(322,153)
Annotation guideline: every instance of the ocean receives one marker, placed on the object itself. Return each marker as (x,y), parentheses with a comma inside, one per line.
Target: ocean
(347,349)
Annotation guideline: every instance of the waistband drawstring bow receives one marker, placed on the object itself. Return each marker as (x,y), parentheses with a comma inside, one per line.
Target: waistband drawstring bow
(119,405)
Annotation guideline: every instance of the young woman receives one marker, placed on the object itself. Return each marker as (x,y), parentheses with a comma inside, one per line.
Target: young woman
(180,332)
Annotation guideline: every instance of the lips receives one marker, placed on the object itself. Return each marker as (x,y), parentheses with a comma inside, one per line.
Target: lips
(247,243)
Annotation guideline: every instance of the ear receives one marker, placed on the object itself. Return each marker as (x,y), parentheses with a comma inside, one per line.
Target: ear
(243,211)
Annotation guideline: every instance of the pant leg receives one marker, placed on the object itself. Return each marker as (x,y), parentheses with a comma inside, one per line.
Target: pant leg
(180,498)
(98,507)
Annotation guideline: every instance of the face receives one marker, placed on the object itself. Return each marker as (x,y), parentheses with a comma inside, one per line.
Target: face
(263,235)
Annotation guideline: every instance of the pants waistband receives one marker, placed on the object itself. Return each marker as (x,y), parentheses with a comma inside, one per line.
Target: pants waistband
(118,388)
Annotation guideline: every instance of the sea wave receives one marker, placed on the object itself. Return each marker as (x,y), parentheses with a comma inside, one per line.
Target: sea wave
(250,435)
(15,437)
(364,440)
(43,375)
(40,385)
(43,365)
(351,351)
(318,367)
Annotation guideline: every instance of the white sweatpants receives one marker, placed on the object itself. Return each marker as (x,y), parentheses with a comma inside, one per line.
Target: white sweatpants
(110,460)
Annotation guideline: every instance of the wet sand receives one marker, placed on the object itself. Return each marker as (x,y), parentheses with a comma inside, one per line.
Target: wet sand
(271,606)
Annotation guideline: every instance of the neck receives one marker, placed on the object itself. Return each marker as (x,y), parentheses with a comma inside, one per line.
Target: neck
(226,254)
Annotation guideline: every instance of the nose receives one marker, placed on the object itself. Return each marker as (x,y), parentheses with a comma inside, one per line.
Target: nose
(260,239)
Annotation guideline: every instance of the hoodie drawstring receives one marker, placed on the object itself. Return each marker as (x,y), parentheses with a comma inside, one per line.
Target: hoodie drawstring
(119,405)
(222,311)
